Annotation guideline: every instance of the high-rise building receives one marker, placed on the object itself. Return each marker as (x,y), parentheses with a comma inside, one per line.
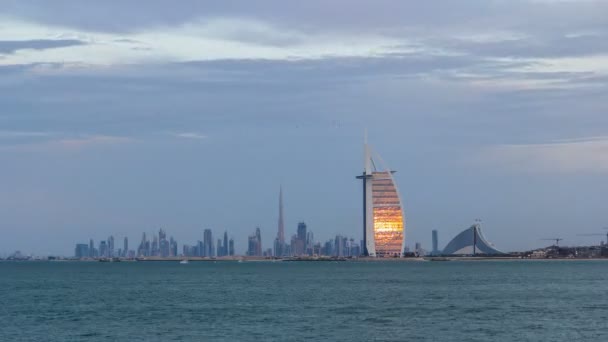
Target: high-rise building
(418,248)
(231,247)
(125,247)
(435,250)
(91,248)
(81,250)
(142,250)
(155,250)
(258,235)
(317,249)
(294,245)
(355,249)
(300,241)
(103,249)
(328,248)
(172,247)
(383,219)
(208,243)
(111,246)
(163,244)
(279,244)
(310,242)
(200,249)
(219,248)
(254,247)
(225,245)
(278,249)
(340,243)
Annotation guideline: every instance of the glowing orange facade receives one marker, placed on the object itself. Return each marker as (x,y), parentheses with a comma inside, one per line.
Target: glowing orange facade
(388,227)
(383,219)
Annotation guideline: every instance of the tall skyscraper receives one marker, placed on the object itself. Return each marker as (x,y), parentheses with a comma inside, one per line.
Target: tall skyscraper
(111,246)
(225,246)
(231,247)
(258,235)
(172,247)
(302,231)
(91,248)
(163,244)
(208,243)
(141,250)
(435,242)
(125,248)
(81,250)
(103,249)
(200,250)
(279,243)
(254,246)
(310,242)
(340,245)
(219,249)
(300,243)
(383,219)
(155,249)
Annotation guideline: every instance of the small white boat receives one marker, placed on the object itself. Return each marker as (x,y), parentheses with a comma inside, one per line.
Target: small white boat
(185,261)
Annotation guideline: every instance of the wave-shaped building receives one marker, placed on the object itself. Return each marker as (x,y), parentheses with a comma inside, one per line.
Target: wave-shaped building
(383,218)
(470,242)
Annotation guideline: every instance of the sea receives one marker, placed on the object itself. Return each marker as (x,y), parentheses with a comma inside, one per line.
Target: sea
(305,301)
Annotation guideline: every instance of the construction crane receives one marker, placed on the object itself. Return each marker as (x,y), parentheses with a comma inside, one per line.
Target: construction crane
(557,240)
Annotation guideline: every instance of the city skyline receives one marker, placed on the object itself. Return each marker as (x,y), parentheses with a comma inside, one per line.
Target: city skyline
(191,116)
(301,241)
(157,245)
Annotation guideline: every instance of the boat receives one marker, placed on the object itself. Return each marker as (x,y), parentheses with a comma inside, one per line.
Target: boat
(437,259)
(109,260)
(185,261)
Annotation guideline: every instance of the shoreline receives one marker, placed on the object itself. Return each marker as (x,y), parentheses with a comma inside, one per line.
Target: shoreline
(307,259)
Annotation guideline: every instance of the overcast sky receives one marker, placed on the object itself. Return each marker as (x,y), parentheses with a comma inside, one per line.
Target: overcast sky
(118,117)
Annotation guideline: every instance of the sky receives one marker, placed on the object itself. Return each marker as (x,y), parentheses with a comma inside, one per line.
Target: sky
(120,116)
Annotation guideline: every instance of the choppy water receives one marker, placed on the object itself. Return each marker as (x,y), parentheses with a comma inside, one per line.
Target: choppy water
(296,301)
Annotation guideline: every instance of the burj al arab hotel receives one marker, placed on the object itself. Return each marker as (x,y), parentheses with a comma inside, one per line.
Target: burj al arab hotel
(383,217)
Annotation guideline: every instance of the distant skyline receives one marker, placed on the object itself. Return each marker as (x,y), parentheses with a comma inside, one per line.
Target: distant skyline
(119,117)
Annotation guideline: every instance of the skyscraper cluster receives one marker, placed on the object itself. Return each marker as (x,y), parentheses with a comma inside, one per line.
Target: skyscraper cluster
(206,248)
(383,231)
(105,249)
(302,243)
(158,247)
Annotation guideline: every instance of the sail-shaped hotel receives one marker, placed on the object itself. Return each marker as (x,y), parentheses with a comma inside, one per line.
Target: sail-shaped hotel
(383,217)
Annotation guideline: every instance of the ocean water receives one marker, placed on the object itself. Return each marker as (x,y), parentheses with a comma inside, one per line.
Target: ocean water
(298,301)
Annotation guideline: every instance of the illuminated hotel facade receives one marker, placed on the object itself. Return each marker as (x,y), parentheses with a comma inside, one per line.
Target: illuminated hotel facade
(383,219)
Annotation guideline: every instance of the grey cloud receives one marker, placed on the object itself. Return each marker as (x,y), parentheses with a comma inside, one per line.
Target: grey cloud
(120,15)
(8,46)
(542,46)
(183,97)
